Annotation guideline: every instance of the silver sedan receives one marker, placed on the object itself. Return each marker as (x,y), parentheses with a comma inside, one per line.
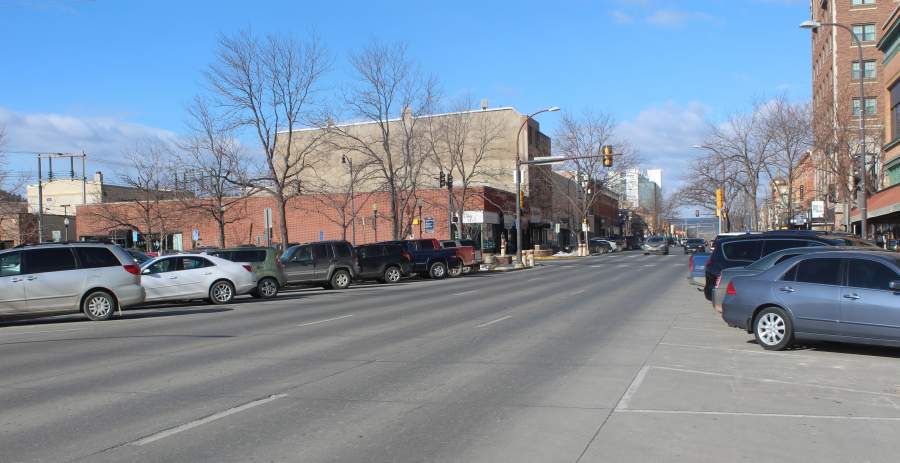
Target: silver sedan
(196,276)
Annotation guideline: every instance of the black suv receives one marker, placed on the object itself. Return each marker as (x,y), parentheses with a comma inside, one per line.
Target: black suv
(330,264)
(741,250)
(386,263)
(692,245)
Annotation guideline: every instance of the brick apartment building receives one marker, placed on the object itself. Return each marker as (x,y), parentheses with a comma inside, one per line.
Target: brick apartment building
(836,73)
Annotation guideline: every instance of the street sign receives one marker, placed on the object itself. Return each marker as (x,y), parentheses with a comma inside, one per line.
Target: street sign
(429,225)
(818,209)
(134,236)
(556,227)
(57,235)
(321,235)
(584,226)
(195,234)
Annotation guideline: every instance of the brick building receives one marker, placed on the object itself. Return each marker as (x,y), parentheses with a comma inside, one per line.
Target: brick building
(836,74)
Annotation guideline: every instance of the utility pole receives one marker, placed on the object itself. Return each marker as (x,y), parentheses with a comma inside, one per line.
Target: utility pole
(40,202)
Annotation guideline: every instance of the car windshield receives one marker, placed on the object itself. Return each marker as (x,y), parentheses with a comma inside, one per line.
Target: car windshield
(695,241)
(655,240)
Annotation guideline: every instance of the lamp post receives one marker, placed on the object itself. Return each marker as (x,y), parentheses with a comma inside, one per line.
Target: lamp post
(863,173)
(349,162)
(66,219)
(519,182)
(420,203)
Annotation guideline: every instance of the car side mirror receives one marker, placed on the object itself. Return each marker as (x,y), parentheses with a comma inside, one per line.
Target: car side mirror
(894,285)
(146,271)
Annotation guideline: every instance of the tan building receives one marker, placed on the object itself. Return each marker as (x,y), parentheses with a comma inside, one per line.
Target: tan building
(61,196)
(490,137)
(836,73)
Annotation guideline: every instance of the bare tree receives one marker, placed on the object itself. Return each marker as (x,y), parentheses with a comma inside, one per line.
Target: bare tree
(789,128)
(270,86)
(340,198)
(211,160)
(706,173)
(460,143)
(580,138)
(150,175)
(388,85)
(743,141)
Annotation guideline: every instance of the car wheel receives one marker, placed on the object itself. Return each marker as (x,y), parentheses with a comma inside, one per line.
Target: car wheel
(266,288)
(340,280)
(221,292)
(99,305)
(455,271)
(773,329)
(437,271)
(391,275)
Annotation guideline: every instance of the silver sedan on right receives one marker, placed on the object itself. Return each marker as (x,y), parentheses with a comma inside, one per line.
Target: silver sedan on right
(843,296)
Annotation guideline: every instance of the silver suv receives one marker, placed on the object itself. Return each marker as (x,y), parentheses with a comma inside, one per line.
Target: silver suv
(50,279)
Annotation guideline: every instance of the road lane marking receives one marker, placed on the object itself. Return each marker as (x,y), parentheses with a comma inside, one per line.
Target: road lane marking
(465,292)
(492,322)
(323,321)
(763,415)
(578,292)
(632,388)
(47,331)
(533,279)
(215,416)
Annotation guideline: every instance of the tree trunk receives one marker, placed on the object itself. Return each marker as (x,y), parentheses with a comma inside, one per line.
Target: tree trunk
(221,230)
(282,217)
(395,215)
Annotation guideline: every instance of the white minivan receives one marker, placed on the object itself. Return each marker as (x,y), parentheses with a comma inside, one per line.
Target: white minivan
(58,278)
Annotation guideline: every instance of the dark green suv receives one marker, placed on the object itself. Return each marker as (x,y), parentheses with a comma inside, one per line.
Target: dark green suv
(266,266)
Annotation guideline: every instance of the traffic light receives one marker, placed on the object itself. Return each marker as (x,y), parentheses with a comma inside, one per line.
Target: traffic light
(449,180)
(442,179)
(696,212)
(522,199)
(719,202)
(607,156)
(855,183)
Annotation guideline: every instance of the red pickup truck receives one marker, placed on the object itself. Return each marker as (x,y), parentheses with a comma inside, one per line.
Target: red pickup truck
(467,252)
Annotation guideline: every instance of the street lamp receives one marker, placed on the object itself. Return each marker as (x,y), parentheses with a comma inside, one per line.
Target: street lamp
(66,223)
(519,182)
(349,162)
(420,202)
(375,220)
(863,173)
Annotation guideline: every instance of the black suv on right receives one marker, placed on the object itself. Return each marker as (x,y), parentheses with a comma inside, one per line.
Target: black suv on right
(329,264)
(741,250)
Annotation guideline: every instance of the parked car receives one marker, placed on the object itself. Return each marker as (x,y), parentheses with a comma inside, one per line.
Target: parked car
(387,263)
(472,265)
(697,269)
(465,254)
(50,279)
(196,276)
(600,246)
(267,267)
(744,249)
(692,245)
(329,264)
(429,259)
(843,296)
(656,245)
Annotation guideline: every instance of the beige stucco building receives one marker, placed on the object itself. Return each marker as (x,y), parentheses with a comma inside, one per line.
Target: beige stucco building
(61,196)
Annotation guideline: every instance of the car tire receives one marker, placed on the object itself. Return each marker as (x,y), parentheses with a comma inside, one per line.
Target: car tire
(340,279)
(391,274)
(221,292)
(99,305)
(437,271)
(773,329)
(267,288)
(455,271)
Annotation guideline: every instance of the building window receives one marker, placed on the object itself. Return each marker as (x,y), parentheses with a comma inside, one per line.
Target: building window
(865,32)
(895,112)
(861,2)
(868,69)
(871,106)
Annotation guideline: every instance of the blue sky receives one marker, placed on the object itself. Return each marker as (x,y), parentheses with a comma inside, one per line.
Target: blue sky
(98,74)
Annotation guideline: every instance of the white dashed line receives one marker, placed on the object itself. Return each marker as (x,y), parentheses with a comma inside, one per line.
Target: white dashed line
(323,321)
(492,322)
(465,292)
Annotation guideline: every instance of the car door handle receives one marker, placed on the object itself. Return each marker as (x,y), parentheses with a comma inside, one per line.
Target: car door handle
(172,277)
(208,273)
(31,278)
(787,289)
(15,280)
(851,296)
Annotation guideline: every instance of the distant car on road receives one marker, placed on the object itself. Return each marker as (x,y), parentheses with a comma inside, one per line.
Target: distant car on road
(387,263)
(196,276)
(692,245)
(656,245)
(600,246)
(843,296)
(267,267)
(52,279)
(329,264)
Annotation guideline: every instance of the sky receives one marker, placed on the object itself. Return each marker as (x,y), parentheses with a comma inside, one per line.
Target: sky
(100,75)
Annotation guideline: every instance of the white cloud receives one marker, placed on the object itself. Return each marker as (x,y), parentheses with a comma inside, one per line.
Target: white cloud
(677,18)
(621,17)
(104,139)
(664,135)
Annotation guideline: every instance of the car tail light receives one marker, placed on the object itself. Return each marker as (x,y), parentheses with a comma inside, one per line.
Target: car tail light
(730,290)
(691,262)
(132,269)
(718,281)
(247,267)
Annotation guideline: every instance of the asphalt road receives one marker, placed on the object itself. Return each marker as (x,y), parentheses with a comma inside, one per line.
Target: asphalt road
(611,358)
